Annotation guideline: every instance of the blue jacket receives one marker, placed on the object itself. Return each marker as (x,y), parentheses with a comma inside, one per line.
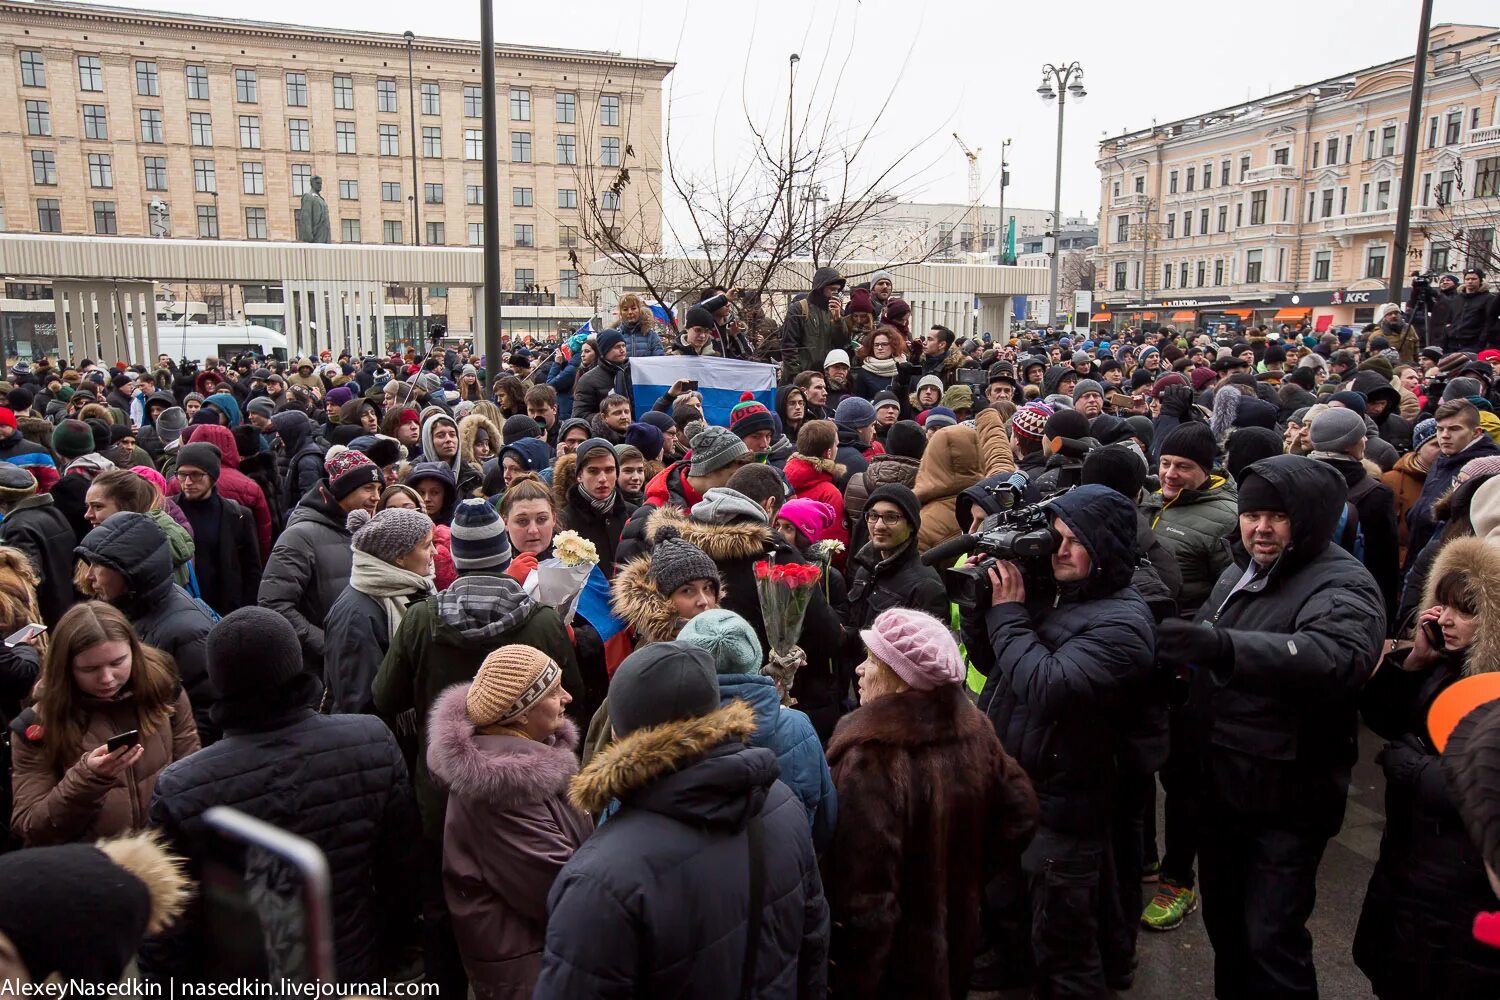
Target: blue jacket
(789,734)
(641,342)
(560,377)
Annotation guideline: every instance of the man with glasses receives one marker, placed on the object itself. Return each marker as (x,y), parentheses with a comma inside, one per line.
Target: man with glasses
(888,572)
(228,557)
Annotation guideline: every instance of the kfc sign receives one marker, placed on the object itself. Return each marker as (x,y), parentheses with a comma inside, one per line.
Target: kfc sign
(1344,297)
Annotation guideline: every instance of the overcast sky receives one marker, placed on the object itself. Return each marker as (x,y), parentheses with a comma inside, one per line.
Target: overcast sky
(967,67)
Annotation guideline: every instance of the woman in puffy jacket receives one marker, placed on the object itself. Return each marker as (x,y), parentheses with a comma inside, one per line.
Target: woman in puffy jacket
(505,751)
(98,681)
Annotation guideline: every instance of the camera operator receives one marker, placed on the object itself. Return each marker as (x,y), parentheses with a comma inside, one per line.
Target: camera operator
(1432,304)
(1275,662)
(1062,676)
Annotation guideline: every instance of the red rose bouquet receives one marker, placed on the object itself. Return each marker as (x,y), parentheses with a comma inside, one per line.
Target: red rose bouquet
(785,591)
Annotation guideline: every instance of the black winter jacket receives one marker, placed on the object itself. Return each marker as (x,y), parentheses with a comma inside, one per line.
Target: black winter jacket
(340,782)
(36,527)
(1063,676)
(655,903)
(1274,721)
(308,569)
(1469,319)
(591,386)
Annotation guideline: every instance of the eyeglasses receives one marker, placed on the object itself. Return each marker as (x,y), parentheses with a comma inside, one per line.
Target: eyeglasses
(889,519)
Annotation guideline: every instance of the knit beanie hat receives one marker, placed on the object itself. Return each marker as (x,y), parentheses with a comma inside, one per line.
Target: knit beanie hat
(202,455)
(905,439)
(338,396)
(264,406)
(517,426)
(1030,421)
(675,562)
(812,517)
(73,439)
(1066,424)
(480,542)
(957,397)
(884,398)
(1462,388)
(854,413)
(1120,468)
(939,417)
(608,340)
(1249,445)
(713,449)
(509,682)
(646,438)
(1193,441)
(348,471)
(661,421)
(277,658)
(7,417)
(917,646)
(750,416)
(662,682)
(1356,400)
(1337,429)
(1084,386)
(1168,380)
(1420,433)
(728,638)
(16,483)
(929,380)
(390,534)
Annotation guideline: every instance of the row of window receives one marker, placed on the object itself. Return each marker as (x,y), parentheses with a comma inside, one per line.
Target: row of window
(246,90)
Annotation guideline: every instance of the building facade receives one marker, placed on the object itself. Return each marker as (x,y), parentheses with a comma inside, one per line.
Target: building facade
(1283,209)
(941,231)
(1077,245)
(122,123)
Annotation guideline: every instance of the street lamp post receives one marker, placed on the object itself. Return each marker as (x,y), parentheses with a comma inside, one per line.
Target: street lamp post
(1068,80)
(1001,231)
(791,166)
(416,188)
(491,193)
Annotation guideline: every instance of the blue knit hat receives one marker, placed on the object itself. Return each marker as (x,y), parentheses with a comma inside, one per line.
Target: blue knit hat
(1420,433)
(854,413)
(480,542)
(728,638)
(607,341)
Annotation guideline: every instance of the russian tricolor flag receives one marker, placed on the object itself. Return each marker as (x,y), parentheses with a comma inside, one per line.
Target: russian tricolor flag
(721,382)
(594,607)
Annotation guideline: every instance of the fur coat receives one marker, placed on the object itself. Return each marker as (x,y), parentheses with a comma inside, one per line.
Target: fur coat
(508,831)
(930,807)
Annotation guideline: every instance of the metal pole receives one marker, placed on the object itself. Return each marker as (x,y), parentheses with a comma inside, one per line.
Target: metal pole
(416,188)
(1062,97)
(1409,156)
(791,170)
(491,195)
(1000,234)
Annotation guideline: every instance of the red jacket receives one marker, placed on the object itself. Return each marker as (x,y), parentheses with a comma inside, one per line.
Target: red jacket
(232,483)
(816,482)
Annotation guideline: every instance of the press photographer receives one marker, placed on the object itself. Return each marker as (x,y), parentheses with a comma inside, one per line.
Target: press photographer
(1062,674)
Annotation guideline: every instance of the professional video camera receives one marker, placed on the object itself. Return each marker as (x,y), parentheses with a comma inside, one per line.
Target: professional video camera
(1021,533)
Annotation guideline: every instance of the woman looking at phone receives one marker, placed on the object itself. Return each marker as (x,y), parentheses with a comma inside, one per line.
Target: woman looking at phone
(98,681)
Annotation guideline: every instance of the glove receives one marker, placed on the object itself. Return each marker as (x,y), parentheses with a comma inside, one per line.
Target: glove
(1176,400)
(1181,644)
(521,566)
(1403,760)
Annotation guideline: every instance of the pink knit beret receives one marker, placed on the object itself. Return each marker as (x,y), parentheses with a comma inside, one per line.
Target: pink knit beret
(918,647)
(812,517)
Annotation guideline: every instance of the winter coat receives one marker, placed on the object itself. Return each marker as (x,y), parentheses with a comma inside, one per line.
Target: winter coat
(308,570)
(1376,506)
(236,582)
(882,469)
(814,479)
(262,470)
(577,514)
(560,376)
(642,339)
(357,631)
(508,832)
(1405,481)
(1064,675)
(442,641)
(592,385)
(656,902)
(77,804)
(36,527)
(232,483)
(898,580)
(956,458)
(304,457)
(162,613)
(1274,724)
(1439,479)
(809,331)
(790,735)
(1469,317)
(1414,931)
(338,781)
(931,808)
(1193,526)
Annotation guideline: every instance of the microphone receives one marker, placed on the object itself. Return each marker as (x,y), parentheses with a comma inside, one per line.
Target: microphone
(946,551)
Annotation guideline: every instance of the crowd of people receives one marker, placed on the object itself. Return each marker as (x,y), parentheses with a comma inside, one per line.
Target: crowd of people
(1192,561)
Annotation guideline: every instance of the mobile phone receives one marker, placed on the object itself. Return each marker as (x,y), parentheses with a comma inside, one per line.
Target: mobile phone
(1119,399)
(1434,634)
(122,740)
(25,634)
(692,385)
(266,897)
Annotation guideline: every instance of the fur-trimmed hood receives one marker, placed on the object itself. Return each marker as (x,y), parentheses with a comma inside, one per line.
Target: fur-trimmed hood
(511,770)
(468,430)
(743,540)
(804,472)
(162,872)
(1479,562)
(635,598)
(564,477)
(647,755)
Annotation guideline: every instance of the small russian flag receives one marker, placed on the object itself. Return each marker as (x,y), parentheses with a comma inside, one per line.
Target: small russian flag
(594,608)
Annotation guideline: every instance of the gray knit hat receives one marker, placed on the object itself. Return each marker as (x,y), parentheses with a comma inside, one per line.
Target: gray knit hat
(675,562)
(854,413)
(714,448)
(390,534)
(1084,386)
(480,542)
(1337,429)
(265,406)
(169,424)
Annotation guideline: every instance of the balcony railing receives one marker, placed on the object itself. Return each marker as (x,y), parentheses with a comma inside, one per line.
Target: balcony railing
(1483,137)
(1274,172)
(1129,201)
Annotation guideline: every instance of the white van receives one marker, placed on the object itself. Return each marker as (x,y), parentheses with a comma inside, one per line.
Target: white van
(197,341)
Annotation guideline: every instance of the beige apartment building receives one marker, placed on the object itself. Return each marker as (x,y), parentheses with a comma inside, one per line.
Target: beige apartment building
(1283,208)
(117,122)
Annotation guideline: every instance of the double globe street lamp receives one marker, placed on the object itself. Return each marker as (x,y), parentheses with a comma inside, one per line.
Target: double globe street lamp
(1057,84)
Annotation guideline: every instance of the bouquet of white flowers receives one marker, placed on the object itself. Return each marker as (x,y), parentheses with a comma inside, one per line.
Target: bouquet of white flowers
(558,581)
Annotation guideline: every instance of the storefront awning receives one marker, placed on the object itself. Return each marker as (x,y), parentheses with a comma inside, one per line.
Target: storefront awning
(1241,313)
(1099,318)
(1148,315)
(1323,322)
(1290,315)
(1184,316)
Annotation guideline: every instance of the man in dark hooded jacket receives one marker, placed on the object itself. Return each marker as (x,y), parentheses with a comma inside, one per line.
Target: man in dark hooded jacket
(814,325)
(1276,660)
(304,458)
(888,572)
(1063,676)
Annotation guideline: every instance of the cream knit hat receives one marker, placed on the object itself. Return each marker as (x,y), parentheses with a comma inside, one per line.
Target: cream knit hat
(510,681)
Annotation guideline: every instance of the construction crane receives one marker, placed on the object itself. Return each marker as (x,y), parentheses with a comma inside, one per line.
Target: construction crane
(973,213)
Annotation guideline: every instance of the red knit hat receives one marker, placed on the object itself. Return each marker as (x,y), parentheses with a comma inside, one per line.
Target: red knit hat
(8,417)
(750,416)
(1169,379)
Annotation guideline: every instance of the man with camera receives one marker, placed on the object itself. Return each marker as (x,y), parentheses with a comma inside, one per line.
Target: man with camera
(1062,670)
(1274,663)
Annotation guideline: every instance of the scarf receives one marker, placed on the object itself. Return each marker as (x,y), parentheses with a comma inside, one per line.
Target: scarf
(601,507)
(879,368)
(390,586)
